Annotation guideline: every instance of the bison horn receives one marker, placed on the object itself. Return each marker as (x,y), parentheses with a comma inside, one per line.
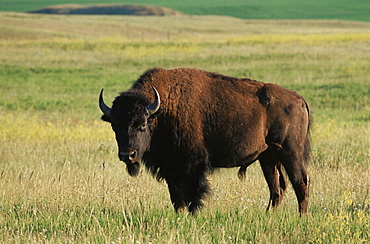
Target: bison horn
(152,108)
(103,107)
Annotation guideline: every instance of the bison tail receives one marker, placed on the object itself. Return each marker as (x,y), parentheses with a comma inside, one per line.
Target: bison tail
(307,143)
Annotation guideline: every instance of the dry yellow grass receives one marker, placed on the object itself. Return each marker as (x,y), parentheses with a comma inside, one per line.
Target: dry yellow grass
(60,179)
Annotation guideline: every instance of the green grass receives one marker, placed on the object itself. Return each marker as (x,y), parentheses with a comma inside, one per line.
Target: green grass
(60,180)
(251,9)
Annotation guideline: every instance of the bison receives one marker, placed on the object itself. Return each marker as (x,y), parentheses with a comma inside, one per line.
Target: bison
(184,123)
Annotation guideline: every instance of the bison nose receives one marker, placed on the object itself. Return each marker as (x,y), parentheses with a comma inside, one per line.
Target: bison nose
(129,156)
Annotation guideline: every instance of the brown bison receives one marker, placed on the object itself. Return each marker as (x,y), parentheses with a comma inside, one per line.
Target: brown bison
(183,123)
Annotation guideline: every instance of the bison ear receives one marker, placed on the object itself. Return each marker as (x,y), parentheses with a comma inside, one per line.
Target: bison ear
(156,114)
(106,118)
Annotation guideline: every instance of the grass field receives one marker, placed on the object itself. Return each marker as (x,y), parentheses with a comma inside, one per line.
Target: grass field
(251,9)
(60,180)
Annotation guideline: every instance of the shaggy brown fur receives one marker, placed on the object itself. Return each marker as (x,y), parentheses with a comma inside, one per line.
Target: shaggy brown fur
(209,121)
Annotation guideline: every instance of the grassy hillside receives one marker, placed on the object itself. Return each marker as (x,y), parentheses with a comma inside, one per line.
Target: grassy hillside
(251,9)
(60,179)
(106,9)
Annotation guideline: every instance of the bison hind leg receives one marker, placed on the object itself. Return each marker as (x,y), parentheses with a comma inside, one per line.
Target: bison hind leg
(300,181)
(274,177)
(293,162)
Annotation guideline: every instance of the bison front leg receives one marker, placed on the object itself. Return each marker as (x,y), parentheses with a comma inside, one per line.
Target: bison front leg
(187,190)
(196,189)
(176,189)
(274,177)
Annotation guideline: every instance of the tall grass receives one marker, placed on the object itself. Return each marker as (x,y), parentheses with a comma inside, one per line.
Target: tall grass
(60,180)
(66,186)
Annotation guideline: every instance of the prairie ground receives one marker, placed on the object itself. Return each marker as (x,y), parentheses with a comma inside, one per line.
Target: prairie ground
(60,180)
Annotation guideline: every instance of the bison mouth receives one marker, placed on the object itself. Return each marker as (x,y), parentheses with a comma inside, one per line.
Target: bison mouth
(133,169)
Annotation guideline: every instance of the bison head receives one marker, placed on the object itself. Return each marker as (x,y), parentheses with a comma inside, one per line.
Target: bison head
(132,121)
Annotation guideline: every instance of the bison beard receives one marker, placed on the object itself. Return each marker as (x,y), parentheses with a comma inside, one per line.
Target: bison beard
(184,123)
(133,169)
